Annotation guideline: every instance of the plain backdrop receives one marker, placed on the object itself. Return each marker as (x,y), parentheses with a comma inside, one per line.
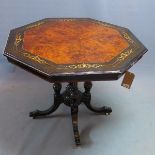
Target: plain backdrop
(129,130)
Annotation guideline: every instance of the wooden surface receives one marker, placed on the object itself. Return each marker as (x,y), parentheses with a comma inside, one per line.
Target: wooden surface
(74,49)
(70,42)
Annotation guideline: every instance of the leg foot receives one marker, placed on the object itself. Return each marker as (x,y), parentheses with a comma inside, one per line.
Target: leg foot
(74,113)
(37,113)
(104,110)
(57,102)
(87,98)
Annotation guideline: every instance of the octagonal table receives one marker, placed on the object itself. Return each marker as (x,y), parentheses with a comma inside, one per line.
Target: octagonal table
(72,50)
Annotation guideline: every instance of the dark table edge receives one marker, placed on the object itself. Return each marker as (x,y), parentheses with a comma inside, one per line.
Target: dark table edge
(67,77)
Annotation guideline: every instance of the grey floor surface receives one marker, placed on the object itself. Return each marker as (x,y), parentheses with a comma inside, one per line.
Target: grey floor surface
(129,130)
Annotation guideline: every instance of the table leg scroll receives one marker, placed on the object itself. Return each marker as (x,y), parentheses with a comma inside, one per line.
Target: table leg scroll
(87,98)
(37,113)
(57,102)
(104,110)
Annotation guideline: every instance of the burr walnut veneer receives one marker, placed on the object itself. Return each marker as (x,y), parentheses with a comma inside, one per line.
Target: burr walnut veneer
(72,50)
(73,42)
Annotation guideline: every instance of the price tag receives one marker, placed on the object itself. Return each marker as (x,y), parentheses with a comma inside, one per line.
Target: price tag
(128,79)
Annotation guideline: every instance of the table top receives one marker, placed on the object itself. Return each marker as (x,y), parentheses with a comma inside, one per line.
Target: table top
(74,49)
